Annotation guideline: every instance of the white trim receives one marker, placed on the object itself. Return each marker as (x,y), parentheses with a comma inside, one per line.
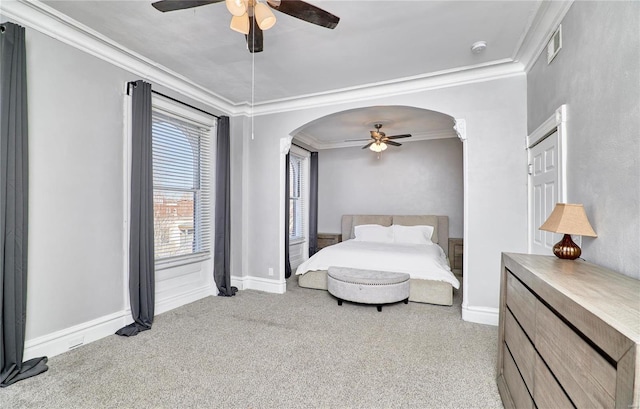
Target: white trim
(180,111)
(461,129)
(546,21)
(177,261)
(126,196)
(64,340)
(184,298)
(73,337)
(556,122)
(400,86)
(39,16)
(480,315)
(260,284)
(47,20)
(285,145)
(415,137)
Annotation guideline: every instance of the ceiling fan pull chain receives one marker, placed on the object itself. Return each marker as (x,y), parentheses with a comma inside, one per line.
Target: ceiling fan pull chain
(253,79)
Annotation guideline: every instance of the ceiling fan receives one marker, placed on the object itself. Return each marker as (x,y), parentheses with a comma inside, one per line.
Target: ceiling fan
(380,140)
(251,17)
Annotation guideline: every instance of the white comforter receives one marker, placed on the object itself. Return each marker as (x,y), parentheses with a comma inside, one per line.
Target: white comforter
(421,261)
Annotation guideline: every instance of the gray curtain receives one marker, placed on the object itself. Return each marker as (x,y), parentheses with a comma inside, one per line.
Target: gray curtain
(287,192)
(141,252)
(222,243)
(14,199)
(313,204)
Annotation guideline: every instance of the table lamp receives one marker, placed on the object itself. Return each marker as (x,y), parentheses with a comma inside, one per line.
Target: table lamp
(568,219)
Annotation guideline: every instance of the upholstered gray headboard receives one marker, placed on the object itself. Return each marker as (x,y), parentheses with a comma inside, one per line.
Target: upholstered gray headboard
(440,224)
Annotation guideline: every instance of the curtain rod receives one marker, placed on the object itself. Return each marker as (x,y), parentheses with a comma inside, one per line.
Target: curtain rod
(133,83)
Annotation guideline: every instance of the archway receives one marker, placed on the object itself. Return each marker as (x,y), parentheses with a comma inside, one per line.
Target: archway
(428,168)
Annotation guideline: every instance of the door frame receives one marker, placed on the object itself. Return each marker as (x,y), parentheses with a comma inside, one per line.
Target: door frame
(555,123)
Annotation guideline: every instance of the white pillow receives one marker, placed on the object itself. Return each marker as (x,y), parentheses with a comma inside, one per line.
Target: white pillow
(412,234)
(374,233)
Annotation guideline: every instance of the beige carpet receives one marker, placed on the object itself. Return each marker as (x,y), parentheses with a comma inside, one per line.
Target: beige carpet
(297,350)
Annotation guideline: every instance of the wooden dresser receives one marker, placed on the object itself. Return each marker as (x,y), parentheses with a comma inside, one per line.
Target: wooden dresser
(569,335)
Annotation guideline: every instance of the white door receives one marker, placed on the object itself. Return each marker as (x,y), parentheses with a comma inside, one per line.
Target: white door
(544,191)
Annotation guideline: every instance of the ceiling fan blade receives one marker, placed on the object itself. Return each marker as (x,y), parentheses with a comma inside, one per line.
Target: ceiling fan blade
(393,143)
(172,5)
(255,37)
(305,11)
(367,145)
(398,136)
(357,140)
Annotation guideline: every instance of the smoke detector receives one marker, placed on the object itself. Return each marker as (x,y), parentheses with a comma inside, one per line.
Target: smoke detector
(478,47)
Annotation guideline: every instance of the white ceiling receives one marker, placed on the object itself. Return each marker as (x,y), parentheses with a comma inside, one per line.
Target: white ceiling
(375,42)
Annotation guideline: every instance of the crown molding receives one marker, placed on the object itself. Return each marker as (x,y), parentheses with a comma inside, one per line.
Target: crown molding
(533,42)
(38,16)
(401,86)
(549,15)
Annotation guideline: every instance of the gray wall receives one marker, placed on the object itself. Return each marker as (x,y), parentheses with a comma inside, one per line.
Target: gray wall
(77,285)
(597,74)
(421,177)
(495,180)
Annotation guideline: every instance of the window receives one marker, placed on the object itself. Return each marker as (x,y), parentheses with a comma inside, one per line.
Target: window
(298,175)
(181,181)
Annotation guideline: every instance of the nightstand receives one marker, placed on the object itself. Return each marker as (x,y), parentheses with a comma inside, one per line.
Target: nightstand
(456,250)
(328,239)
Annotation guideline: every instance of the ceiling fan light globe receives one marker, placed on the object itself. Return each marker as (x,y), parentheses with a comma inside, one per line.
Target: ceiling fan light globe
(240,23)
(383,146)
(236,7)
(376,148)
(264,16)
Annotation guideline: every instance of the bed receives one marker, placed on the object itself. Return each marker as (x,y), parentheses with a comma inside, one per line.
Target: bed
(432,283)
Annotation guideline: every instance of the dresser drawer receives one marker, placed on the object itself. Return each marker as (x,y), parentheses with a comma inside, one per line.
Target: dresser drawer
(547,393)
(522,351)
(517,388)
(587,377)
(522,304)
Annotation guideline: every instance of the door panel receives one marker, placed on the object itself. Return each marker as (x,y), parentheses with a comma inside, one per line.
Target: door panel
(544,192)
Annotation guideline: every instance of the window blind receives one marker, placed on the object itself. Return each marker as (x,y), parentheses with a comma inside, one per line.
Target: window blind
(181,186)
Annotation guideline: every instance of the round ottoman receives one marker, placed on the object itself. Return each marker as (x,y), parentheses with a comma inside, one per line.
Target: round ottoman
(367,286)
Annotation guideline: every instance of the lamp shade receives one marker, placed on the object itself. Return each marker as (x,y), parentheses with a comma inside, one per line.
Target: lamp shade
(264,16)
(236,7)
(569,219)
(240,23)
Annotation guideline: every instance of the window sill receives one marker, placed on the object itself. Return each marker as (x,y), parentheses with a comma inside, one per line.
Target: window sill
(181,260)
(297,241)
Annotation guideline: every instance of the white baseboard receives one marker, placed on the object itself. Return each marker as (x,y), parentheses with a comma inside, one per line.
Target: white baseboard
(480,315)
(64,340)
(260,284)
(185,298)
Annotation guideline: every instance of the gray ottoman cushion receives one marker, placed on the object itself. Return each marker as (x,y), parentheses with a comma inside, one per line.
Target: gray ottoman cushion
(367,286)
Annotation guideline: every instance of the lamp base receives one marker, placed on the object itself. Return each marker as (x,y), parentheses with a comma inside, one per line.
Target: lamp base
(567,249)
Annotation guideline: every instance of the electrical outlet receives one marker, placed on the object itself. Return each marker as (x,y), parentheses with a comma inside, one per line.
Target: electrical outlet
(270,271)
